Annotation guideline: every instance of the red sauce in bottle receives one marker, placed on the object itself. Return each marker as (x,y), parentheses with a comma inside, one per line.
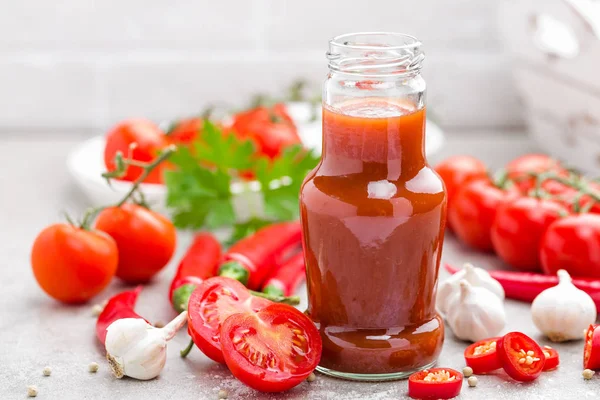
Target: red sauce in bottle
(373,215)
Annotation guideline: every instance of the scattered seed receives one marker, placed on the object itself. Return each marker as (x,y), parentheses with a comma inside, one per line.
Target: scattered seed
(467,371)
(47,371)
(159,324)
(223,394)
(472,381)
(97,310)
(311,378)
(32,391)
(93,367)
(588,374)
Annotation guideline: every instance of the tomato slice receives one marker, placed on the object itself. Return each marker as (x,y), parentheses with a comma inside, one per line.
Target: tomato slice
(521,357)
(272,350)
(552,359)
(210,304)
(591,350)
(482,356)
(435,383)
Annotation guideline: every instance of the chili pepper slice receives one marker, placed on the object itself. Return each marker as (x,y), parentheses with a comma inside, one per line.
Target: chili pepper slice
(552,359)
(119,306)
(199,262)
(435,383)
(252,259)
(521,357)
(482,356)
(591,349)
(525,286)
(284,281)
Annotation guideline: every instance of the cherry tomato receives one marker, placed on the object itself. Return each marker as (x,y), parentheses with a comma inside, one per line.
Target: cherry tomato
(474,211)
(71,264)
(146,137)
(273,349)
(482,356)
(210,304)
(146,240)
(552,359)
(591,349)
(187,130)
(519,169)
(521,357)
(435,383)
(573,244)
(518,229)
(458,170)
(272,129)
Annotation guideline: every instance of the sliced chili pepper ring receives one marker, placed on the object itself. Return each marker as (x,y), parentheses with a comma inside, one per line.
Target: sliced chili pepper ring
(521,357)
(482,356)
(435,383)
(591,350)
(552,359)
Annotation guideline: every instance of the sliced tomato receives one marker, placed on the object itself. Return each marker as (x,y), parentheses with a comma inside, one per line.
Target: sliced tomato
(482,356)
(210,304)
(435,383)
(273,349)
(591,349)
(552,359)
(521,357)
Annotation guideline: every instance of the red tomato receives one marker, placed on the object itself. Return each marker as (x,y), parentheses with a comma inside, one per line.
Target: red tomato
(519,169)
(521,357)
(271,350)
(518,229)
(573,244)
(187,130)
(146,240)
(591,349)
(482,356)
(210,304)
(458,170)
(272,129)
(435,383)
(552,359)
(474,211)
(71,264)
(146,137)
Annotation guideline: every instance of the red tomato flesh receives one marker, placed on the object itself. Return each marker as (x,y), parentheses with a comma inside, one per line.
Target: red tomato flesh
(482,356)
(435,383)
(591,350)
(210,304)
(271,350)
(521,357)
(552,359)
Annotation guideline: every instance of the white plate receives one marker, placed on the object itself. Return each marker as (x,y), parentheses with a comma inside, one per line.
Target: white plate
(86,165)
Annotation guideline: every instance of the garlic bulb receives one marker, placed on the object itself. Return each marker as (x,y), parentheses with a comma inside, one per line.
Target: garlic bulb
(136,349)
(563,312)
(475,276)
(475,313)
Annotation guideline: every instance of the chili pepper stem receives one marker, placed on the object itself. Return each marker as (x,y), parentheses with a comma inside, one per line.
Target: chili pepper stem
(291,300)
(273,291)
(184,353)
(234,270)
(181,296)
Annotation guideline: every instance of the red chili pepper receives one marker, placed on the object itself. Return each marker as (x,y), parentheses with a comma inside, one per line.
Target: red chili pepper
(199,262)
(525,286)
(552,358)
(119,306)
(253,258)
(284,280)
(435,383)
(521,357)
(591,349)
(482,356)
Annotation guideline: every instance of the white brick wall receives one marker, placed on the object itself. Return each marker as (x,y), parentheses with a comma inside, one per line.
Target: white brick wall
(88,63)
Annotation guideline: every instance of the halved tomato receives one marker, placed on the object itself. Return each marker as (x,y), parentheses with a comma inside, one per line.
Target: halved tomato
(521,357)
(482,356)
(591,349)
(273,349)
(435,383)
(210,304)
(552,359)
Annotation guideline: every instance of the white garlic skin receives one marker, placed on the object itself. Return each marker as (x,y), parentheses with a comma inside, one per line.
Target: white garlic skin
(475,276)
(475,313)
(137,349)
(563,312)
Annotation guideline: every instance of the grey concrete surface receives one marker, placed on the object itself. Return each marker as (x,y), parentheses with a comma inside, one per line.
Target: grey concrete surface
(36,331)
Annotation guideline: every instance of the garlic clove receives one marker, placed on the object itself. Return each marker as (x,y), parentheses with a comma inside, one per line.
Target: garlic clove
(563,312)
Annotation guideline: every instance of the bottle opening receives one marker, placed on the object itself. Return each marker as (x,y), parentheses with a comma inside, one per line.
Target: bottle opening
(375,54)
